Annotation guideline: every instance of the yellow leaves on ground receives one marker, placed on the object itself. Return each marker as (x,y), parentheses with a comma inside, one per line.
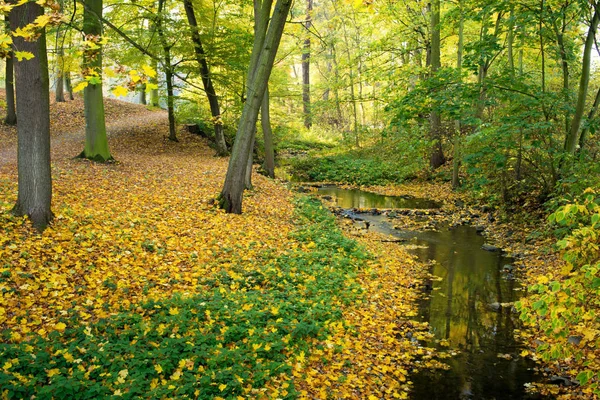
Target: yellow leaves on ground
(143,228)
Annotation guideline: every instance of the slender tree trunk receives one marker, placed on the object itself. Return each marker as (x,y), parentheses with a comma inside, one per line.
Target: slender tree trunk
(258,77)
(96,142)
(168,72)
(248,175)
(143,95)
(591,115)
(510,40)
(560,41)
(306,67)
(154,92)
(269,164)
(573,135)
(33,108)
(209,88)
(68,86)
(437,158)
(11,113)
(457,139)
(59,93)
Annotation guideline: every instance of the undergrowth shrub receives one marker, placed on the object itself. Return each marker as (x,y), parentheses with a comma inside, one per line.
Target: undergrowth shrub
(565,306)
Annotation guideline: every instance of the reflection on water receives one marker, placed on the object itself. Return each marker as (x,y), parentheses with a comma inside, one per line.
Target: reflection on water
(464,309)
(354,198)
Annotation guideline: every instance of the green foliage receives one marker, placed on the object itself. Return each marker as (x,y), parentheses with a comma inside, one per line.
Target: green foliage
(240,332)
(567,309)
(350,169)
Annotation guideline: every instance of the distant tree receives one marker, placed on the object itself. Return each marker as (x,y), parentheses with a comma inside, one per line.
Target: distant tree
(306,66)
(209,87)
(33,111)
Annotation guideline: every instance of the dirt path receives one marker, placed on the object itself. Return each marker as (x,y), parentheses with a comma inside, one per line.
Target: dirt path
(69,142)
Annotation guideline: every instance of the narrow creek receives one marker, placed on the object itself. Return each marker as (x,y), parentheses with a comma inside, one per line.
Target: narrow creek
(468,304)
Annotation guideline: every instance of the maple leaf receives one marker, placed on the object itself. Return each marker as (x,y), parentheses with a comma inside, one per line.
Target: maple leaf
(120,91)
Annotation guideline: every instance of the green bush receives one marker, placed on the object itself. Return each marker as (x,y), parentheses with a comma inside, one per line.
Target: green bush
(565,306)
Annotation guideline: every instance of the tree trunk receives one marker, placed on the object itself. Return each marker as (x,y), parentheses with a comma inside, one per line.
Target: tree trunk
(154,91)
(590,117)
(306,67)
(573,134)
(209,88)
(457,140)
(33,108)
(233,188)
(59,93)
(248,177)
(96,142)
(143,99)
(168,73)
(68,86)
(11,114)
(269,164)
(437,158)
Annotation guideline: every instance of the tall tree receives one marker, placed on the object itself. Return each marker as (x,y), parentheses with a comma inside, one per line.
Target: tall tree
(33,111)
(265,119)
(11,113)
(437,158)
(261,65)
(209,88)
(306,66)
(573,135)
(96,141)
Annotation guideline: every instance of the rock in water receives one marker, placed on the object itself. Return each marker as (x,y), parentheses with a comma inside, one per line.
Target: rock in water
(489,247)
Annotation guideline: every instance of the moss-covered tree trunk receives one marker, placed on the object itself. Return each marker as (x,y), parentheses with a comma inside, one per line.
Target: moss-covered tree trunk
(33,108)
(209,87)
(11,113)
(261,65)
(96,141)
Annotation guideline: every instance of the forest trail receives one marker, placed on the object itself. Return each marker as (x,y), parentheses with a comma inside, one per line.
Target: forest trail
(68,127)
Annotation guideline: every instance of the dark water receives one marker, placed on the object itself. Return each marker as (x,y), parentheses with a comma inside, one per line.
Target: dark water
(354,198)
(463,309)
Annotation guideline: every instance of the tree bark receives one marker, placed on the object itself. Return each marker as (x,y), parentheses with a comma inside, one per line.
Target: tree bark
(258,77)
(573,135)
(11,113)
(59,93)
(33,108)
(269,165)
(209,88)
(96,141)
(591,115)
(306,67)
(437,158)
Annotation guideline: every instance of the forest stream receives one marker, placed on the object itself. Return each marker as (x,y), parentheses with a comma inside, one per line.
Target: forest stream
(468,303)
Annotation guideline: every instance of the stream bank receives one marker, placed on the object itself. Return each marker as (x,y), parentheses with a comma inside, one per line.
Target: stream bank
(467,303)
